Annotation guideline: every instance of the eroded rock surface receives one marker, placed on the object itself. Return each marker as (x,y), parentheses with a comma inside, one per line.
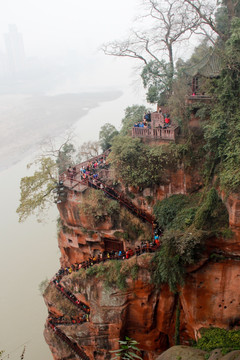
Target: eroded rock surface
(210,296)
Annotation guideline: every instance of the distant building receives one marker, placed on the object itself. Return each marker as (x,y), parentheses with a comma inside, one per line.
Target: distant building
(3,65)
(16,59)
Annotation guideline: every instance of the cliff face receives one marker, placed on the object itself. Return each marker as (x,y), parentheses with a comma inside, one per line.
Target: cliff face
(210,296)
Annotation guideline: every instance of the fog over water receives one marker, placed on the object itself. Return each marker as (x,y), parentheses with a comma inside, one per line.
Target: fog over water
(29,251)
(52,79)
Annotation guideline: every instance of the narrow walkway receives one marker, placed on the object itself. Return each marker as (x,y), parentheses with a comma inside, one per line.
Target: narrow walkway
(53,322)
(71,181)
(73,346)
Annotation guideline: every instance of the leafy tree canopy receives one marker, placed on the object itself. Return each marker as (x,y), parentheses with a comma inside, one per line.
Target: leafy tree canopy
(157,78)
(64,158)
(36,190)
(135,163)
(133,114)
(106,135)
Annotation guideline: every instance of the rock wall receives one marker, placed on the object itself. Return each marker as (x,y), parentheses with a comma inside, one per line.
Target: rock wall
(210,296)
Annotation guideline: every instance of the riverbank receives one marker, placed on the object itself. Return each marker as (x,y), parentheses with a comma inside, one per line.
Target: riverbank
(25,121)
(29,251)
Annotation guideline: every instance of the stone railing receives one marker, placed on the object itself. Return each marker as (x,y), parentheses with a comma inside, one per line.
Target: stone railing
(157,133)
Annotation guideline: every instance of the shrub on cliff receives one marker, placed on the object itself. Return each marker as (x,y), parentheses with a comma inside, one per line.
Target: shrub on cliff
(97,207)
(134,229)
(133,114)
(187,226)
(114,273)
(178,250)
(212,213)
(213,338)
(138,164)
(167,209)
(106,135)
(222,131)
(128,350)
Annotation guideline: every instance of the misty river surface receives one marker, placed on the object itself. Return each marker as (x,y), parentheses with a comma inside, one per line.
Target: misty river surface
(29,251)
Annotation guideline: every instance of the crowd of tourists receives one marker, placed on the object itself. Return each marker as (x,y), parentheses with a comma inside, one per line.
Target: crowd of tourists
(56,281)
(90,176)
(145,247)
(146,122)
(89,170)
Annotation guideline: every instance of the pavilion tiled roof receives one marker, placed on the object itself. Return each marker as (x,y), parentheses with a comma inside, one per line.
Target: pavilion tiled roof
(209,66)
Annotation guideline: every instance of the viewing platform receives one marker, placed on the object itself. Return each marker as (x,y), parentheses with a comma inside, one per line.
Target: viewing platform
(160,127)
(157,133)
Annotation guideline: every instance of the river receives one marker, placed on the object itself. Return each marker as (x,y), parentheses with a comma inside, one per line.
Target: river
(29,251)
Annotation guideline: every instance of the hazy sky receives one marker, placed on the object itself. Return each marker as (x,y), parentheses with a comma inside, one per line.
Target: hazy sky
(60,28)
(54,26)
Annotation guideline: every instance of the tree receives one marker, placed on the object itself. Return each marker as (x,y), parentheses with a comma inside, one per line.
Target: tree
(215,15)
(222,132)
(64,157)
(106,135)
(157,78)
(37,190)
(133,114)
(88,150)
(135,163)
(172,21)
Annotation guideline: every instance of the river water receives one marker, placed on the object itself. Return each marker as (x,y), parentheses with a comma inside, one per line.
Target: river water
(29,251)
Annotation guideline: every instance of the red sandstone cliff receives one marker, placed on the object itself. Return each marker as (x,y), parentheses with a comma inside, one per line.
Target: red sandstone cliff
(210,296)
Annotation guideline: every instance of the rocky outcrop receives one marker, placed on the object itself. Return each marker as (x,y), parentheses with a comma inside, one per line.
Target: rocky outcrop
(189,353)
(210,296)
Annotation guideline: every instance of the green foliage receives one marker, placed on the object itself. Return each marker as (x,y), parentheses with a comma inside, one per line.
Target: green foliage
(183,219)
(128,350)
(133,114)
(91,271)
(134,228)
(157,77)
(217,257)
(213,338)
(227,233)
(222,132)
(115,276)
(166,210)
(134,271)
(187,226)
(212,213)
(178,249)
(36,190)
(106,135)
(135,163)
(113,273)
(97,206)
(64,159)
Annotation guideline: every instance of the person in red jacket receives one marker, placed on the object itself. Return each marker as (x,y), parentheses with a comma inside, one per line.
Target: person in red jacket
(167,122)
